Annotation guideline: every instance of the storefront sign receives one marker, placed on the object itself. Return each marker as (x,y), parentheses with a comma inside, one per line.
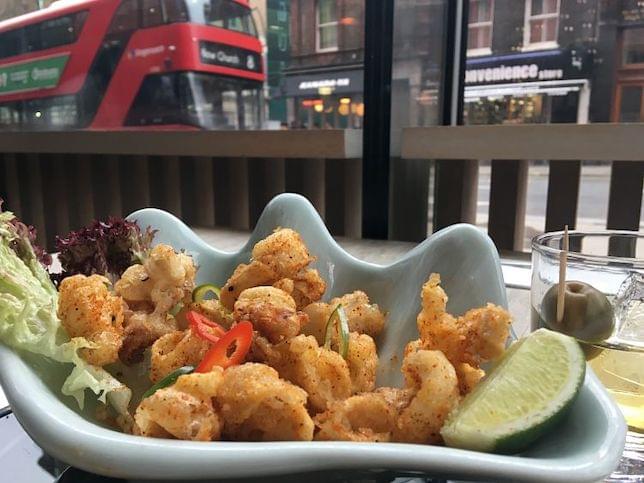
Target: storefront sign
(228,56)
(35,74)
(525,67)
(325,83)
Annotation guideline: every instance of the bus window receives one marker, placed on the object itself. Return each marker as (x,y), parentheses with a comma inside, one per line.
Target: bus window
(126,18)
(61,30)
(229,15)
(152,13)
(204,100)
(175,11)
(43,35)
(9,116)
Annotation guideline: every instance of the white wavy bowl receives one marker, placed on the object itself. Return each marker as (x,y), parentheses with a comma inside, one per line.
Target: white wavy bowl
(585,447)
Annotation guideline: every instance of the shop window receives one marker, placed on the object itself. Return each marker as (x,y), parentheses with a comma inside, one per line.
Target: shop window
(541,23)
(326,16)
(633,46)
(479,35)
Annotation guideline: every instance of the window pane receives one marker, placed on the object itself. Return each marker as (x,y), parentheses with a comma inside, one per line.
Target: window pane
(328,36)
(480,10)
(550,6)
(592,74)
(633,50)
(176,11)
(327,11)
(630,105)
(152,13)
(550,30)
(536,31)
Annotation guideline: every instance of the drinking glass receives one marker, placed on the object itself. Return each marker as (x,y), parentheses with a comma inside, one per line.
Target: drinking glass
(613,263)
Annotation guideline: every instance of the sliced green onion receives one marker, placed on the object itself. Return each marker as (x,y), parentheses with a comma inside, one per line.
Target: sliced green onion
(340,320)
(168,380)
(176,309)
(200,292)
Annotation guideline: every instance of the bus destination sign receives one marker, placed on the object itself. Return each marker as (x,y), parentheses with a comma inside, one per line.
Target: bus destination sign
(229,56)
(32,75)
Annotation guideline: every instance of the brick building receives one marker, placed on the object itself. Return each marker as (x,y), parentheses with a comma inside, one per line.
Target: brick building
(532,61)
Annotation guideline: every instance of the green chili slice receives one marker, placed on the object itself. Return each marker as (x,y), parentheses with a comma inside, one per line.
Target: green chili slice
(176,309)
(340,320)
(168,380)
(200,292)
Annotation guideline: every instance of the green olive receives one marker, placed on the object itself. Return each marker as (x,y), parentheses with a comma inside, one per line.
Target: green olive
(588,314)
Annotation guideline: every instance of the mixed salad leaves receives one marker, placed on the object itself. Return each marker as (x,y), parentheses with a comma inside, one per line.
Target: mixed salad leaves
(29,322)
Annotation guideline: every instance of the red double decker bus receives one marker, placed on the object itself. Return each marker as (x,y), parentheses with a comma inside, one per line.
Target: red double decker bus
(108,64)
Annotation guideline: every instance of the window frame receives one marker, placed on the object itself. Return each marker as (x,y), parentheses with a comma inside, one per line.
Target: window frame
(541,45)
(477,52)
(318,26)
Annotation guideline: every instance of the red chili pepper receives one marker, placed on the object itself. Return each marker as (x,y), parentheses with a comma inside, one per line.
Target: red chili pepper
(204,327)
(237,339)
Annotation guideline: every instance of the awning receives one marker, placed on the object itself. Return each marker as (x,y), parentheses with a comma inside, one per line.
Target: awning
(552,88)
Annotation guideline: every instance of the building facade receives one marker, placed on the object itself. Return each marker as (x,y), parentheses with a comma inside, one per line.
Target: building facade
(530,61)
(324,81)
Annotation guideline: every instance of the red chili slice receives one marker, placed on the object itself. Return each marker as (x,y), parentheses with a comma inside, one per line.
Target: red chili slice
(238,339)
(204,327)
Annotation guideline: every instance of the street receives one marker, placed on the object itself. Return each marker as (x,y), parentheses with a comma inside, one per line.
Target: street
(592,207)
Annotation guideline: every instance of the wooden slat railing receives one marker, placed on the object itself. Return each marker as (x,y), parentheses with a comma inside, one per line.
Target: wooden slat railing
(509,148)
(61,181)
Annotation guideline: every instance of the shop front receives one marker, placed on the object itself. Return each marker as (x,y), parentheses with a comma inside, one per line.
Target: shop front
(324,100)
(527,87)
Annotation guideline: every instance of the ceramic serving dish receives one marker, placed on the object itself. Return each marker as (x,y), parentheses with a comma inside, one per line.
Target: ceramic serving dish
(585,447)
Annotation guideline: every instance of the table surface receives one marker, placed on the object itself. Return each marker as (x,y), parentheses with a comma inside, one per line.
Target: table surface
(517,277)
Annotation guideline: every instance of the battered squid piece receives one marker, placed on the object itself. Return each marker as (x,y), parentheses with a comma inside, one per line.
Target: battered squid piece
(308,287)
(256,405)
(212,309)
(280,260)
(362,360)
(88,309)
(321,372)
(284,252)
(432,380)
(183,410)
(151,290)
(174,350)
(364,317)
(245,276)
(271,311)
(467,342)
(367,417)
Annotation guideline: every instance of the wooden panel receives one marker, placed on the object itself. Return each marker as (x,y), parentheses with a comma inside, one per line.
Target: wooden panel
(83,206)
(56,194)
(563,195)
(265,180)
(204,192)
(409,200)
(597,141)
(107,187)
(306,177)
(134,181)
(12,186)
(31,194)
(171,174)
(327,143)
(343,197)
(230,180)
(624,204)
(188,175)
(455,191)
(508,189)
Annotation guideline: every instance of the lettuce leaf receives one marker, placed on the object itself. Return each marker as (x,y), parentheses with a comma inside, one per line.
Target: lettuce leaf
(29,322)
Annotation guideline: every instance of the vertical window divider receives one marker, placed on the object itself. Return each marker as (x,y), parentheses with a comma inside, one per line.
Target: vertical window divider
(378,55)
